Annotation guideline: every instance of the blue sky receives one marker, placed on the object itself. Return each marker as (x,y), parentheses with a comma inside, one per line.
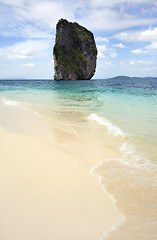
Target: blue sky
(125,32)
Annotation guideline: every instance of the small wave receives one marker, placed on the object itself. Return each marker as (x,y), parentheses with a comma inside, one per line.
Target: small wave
(111,129)
(9,102)
(130,156)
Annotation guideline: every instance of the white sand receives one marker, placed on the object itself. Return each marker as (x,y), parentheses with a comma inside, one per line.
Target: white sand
(48,192)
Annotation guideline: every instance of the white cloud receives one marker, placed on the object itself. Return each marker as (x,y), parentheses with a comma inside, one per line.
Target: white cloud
(132,62)
(101,39)
(44,12)
(102,48)
(26,50)
(110,20)
(96,3)
(100,54)
(15,53)
(153,46)
(28,65)
(112,3)
(146,49)
(138,51)
(141,67)
(148,35)
(113,54)
(38,18)
(119,45)
(123,36)
(33,18)
(142,63)
(108,63)
(27,31)
(34,45)
(13,2)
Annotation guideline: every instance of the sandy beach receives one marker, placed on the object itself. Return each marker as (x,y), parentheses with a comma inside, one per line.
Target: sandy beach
(47,189)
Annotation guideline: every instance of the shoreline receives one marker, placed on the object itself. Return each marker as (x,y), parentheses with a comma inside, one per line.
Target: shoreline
(123,219)
(95,211)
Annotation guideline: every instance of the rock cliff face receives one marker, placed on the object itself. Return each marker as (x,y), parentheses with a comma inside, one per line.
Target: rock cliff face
(74,52)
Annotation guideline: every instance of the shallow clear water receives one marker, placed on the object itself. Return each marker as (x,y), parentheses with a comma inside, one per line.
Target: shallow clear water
(128,103)
(120,112)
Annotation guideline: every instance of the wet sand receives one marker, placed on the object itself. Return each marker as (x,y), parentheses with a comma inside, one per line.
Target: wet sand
(47,189)
(135,191)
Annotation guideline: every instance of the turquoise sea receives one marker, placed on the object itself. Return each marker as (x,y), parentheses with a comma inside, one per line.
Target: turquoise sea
(126,110)
(125,106)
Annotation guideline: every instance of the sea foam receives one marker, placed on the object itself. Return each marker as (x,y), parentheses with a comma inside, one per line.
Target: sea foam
(111,129)
(131,156)
(9,102)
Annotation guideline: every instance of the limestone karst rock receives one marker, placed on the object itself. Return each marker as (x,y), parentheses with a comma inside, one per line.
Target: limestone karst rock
(74,52)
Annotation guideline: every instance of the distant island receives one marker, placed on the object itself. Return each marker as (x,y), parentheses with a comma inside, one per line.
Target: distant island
(127,78)
(74,53)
